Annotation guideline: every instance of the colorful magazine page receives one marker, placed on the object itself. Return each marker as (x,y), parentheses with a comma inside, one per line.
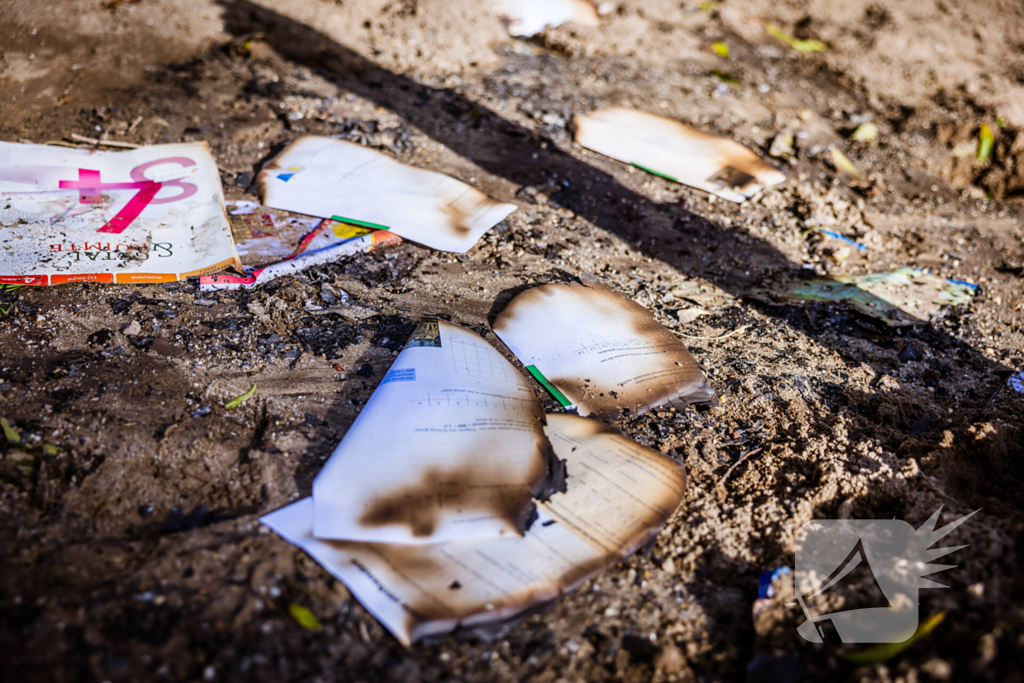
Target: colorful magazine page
(153,214)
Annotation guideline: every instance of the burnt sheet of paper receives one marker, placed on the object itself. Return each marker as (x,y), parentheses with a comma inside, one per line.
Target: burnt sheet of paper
(676,151)
(599,351)
(529,17)
(320,176)
(450,446)
(620,496)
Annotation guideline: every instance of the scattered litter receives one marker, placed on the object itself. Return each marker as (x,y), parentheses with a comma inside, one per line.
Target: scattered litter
(766,579)
(1016,381)
(677,152)
(598,351)
(688,315)
(306,619)
(844,238)
(329,242)
(463,461)
(866,132)
(801,45)
(272,243)
(621,495)
(154,214)
(782,146)
(985,143)
(242,207)
(842,163)
(880,653)
(902,297)
(525,18)
(836,254)
(263,238)
(347,182)
(239,400)
(202,411)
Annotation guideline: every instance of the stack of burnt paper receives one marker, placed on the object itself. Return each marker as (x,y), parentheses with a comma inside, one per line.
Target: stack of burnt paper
(454,503)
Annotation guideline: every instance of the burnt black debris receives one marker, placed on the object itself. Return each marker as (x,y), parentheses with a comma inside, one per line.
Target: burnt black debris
(100,337)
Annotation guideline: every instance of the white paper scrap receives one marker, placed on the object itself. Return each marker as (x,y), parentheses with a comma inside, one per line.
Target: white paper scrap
(670,149)
(529,17)
(621,495)
(347,182)
(450,446)
(594,349)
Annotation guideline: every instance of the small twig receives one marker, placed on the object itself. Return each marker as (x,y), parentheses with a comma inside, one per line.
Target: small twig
(135,124)
(721,482)
(108,143)
(738,330)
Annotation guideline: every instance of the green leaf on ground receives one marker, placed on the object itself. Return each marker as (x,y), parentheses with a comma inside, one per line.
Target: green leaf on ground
(843,164)
(799,44)
(9,432)
(880,653)
(720,49)
(306,619)
(985,142)
(239,400)
(866,132)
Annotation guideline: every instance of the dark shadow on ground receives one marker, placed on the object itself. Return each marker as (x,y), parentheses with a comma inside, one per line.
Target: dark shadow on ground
(730,258)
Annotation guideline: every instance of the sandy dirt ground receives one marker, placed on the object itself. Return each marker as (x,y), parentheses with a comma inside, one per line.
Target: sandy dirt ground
(131,546)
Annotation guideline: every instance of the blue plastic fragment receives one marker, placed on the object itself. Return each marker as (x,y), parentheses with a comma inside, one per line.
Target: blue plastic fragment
(961,282)
(764,581)
(844,238)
